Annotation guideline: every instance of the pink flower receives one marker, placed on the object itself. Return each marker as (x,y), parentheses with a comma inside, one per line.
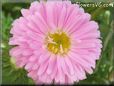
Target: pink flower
(56,42)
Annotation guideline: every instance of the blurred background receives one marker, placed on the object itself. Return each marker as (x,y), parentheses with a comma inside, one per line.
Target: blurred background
(104,15)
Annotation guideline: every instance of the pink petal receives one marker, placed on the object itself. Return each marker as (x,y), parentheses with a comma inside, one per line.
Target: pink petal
(44,57)
(51,64)
(25,12)
(62,17)
(42,68)
(69,65)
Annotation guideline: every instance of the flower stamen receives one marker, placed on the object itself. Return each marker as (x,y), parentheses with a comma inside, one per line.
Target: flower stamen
(58,42)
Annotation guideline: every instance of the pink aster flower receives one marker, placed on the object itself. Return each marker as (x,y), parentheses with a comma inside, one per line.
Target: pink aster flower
(56,42)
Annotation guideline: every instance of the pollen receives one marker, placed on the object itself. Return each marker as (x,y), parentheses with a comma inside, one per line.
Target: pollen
(58,43)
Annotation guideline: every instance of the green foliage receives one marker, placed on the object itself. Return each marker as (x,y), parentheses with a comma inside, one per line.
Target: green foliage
(104,72)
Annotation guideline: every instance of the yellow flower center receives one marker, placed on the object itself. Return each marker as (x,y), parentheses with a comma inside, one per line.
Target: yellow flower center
(58,43)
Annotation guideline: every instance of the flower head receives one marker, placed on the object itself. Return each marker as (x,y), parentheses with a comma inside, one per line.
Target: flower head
(56,42)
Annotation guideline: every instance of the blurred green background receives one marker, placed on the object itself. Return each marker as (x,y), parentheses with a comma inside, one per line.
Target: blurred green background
(104,72)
